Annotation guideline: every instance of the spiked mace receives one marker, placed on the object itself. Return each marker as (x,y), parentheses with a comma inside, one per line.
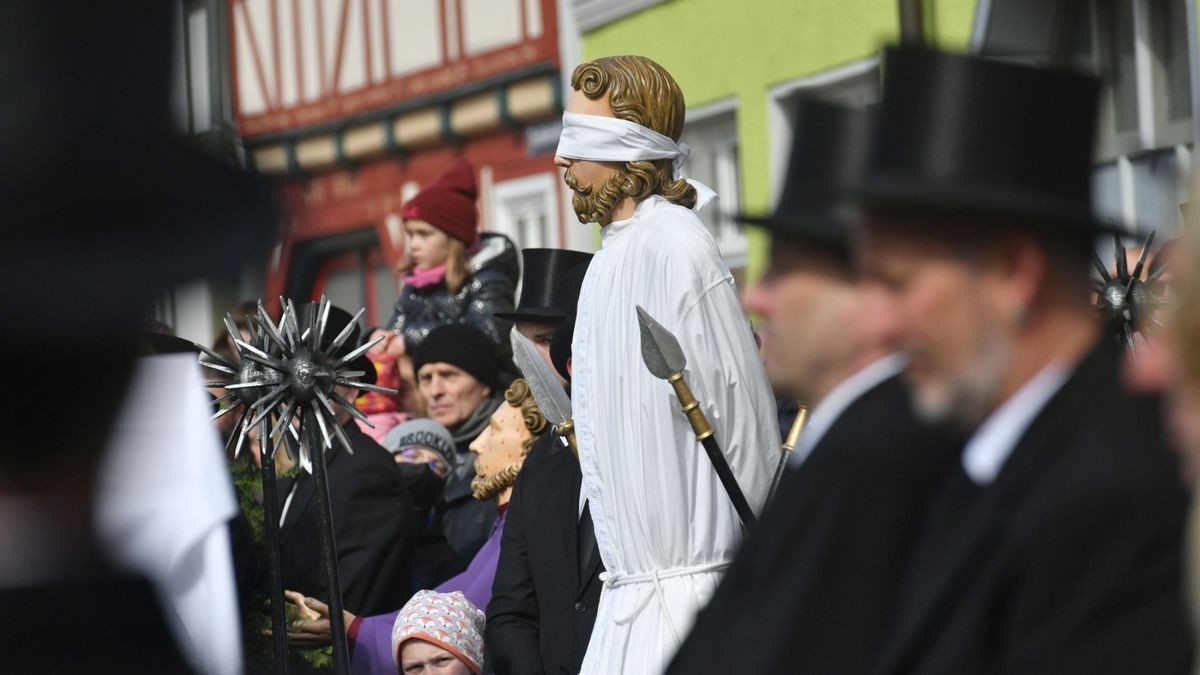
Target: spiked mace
(550,396)
(285,376)
(665,360)
(1124,299)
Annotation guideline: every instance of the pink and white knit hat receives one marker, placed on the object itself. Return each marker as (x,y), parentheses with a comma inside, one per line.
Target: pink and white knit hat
(447,620)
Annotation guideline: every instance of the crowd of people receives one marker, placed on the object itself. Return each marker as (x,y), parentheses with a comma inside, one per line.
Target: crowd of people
(992,476)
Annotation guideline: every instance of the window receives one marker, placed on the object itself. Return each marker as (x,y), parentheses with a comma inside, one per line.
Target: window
(712,134)
(855,84)
(524,208)
(1140,49)
(200,98)
(592,14)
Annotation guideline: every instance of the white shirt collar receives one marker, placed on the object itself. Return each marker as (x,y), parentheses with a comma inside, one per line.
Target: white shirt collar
(830,408)
(639,211)
(993,442)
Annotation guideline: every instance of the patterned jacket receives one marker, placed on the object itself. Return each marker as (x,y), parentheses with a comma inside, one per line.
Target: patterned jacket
(494,267)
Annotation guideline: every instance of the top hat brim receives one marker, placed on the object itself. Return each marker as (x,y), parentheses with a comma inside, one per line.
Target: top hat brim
(162,343)
(994,206)
(533,314)
(820,229)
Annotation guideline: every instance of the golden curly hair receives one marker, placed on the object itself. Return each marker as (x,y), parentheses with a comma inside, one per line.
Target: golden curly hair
(519,396)
(640,91)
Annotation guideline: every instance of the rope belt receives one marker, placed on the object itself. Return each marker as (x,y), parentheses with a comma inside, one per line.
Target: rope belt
(655,577)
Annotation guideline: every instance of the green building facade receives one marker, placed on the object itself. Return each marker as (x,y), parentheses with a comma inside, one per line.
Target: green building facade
(741,64)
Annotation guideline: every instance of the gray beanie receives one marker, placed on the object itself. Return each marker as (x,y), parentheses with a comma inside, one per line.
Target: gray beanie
(425,433)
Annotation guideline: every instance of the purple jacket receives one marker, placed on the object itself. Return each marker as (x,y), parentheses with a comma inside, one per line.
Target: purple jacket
(372,653)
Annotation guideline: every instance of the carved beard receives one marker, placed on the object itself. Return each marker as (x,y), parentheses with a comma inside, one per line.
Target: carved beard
(592,205)
(486,486)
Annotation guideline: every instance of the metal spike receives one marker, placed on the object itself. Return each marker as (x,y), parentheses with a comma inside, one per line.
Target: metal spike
(349,374)
(248,385)
(224,398)
(290,445)
(263,357)
(268,403)
(310,319)
(1153,278)
(320,415)
(237,425)
(221,413)
(216,366)
(269,328)
(273,364)
(1100,268)
(337,428)
(322,319)
(234,332)
(291,328)
(242,437)
(358,352)
(342,336)
(1137,269)
(351,408)
(224,361)
(1119,253)
(218,384)
(367,387)
(285,417)
(281,441)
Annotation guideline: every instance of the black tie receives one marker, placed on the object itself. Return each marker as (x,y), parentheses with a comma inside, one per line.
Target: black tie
(585,543)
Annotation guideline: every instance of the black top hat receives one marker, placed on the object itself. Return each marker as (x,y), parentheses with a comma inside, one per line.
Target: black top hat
(107,210)
(546,293)
(828,150)
(337,321)
(968,136)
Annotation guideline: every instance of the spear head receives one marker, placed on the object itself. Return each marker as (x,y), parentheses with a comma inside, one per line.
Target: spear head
(660,350)
(549,394)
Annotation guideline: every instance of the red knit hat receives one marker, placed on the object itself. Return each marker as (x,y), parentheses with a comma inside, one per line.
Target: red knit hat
(448,203)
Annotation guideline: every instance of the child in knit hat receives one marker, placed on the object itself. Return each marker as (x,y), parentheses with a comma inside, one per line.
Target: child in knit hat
(438,633)
(452,274)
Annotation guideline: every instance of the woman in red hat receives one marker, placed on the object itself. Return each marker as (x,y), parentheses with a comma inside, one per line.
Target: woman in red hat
(452,274)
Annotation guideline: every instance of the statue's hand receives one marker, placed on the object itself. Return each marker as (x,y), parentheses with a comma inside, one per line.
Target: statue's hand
(309,626)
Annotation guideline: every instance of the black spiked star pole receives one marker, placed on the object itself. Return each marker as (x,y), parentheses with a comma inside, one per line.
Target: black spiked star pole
(1124,299)
(286,379)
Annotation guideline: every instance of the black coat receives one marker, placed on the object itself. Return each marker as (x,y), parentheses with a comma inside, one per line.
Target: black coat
(812,588)
(1069,562)
(373,525)
(543,600)
(105,622)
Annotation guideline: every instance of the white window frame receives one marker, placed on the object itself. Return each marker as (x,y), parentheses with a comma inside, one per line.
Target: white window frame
(853,83)
(730,237)
(540,185)
(592,14)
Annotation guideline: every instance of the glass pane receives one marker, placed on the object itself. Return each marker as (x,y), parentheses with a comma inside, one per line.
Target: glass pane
(197,44)
(1170,37)
(1123,68)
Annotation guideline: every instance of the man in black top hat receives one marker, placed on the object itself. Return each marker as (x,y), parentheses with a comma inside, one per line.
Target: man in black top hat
(549,284)
(812,588)
(1052,544)
(103,212)
(547,582)
(373,522)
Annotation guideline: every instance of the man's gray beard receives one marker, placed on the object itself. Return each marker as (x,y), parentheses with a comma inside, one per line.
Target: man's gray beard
(965,399)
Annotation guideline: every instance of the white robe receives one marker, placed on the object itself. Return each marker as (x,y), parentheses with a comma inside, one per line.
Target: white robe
(164,499)
(665,527)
